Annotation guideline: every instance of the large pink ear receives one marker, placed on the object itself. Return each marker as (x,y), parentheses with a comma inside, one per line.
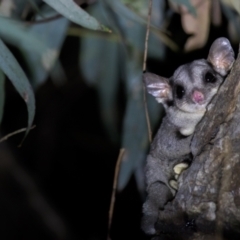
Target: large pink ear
(158,87)
(221,56)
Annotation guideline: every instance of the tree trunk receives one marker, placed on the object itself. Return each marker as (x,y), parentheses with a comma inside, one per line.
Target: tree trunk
(207,204)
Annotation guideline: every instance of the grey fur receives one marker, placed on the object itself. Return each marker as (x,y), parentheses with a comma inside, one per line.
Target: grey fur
(171,144)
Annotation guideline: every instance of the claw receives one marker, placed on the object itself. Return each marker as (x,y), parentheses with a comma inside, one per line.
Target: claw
(173,184)
(180,167)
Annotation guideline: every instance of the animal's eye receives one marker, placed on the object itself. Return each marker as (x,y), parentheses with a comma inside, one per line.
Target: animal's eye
(179,91)
(210,78)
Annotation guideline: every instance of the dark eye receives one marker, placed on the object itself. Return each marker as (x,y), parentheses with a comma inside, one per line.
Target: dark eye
(179,91)
(210,78)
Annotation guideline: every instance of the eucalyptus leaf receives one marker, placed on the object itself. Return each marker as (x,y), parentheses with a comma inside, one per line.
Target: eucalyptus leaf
(158,40)
(135,132)
(102,55)
(135,137)
(132,27)
(16,75)
(17,34)
(132,32)
(105,79)
(2,94)
(70,10)
(187,4)
(51,35)
(40,44)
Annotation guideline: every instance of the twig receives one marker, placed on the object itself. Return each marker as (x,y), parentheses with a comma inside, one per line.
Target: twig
(117,167)
(147,35)
(14,133)
(144,69)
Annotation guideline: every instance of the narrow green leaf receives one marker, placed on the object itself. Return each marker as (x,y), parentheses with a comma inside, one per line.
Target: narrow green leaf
(134,138)
(105,79)
(40,44)
(187,4)
(2,94)
(135,132)
(52,35)
(70,10)
(14,72)
(15,33)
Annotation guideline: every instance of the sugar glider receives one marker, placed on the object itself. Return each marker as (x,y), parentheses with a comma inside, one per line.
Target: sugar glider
(185,97)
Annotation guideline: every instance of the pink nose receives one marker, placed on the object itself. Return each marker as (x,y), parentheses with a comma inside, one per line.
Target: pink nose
(197,96)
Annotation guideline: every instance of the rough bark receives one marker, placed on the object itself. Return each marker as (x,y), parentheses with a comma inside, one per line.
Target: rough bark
(207,204)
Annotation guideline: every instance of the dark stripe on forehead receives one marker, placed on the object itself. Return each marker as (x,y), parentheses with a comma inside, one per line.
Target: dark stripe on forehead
(190,71)
(183,73)
(198,67)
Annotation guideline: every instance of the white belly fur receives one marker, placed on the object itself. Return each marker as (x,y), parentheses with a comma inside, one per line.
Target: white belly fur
(185,121)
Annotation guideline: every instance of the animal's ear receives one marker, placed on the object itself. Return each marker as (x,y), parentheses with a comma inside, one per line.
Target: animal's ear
(158,86)
(221,56)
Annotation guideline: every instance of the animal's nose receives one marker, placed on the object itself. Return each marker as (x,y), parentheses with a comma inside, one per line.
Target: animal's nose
(198,97)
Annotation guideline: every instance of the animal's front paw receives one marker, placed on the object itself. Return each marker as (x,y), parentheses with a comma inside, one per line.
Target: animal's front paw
(187,131)
(178,169)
